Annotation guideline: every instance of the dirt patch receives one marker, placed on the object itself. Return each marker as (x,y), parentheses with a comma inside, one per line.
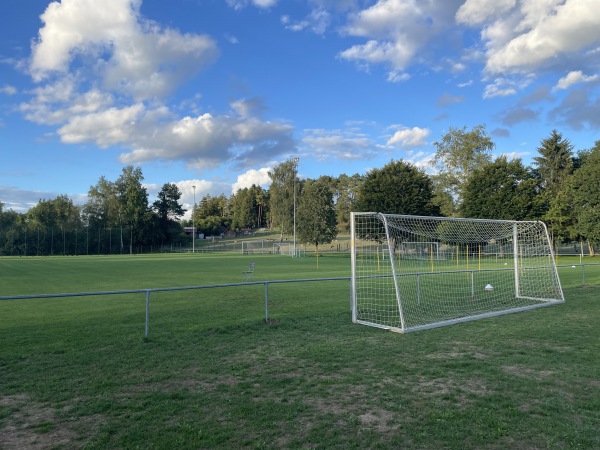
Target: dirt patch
(460,350)
(35,426)
(379,420)
(448,390)
(527,372)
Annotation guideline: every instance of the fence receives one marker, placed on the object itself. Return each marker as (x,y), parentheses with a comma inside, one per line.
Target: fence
(54,241)
(41,241)
(148,292)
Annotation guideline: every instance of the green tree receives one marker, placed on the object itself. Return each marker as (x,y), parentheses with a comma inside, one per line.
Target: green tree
(501,190)
(102,207)
(284,180)
(397,188)
(133,203)
(169,210)
(345,192)
(457,155)
(261,200)
(585,191)
(555,162)
(553,166)
(561,216)
(244,209)
(211,216)
(316,213)
(57,217)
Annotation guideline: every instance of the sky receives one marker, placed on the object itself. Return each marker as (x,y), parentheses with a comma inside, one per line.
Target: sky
(215,93)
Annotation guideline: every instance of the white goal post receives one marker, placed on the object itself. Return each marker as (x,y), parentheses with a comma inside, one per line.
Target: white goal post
(255,247)
(414,272)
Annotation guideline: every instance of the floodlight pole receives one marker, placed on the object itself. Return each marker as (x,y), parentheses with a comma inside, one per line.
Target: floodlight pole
(295,171)
(193,224)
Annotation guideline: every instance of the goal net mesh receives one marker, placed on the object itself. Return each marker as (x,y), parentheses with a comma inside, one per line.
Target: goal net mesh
(411,273)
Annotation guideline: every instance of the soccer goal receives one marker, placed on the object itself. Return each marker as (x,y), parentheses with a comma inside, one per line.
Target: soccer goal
(254,247)
(438,271)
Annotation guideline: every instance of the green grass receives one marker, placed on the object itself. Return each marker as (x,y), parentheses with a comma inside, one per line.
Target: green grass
(76,372)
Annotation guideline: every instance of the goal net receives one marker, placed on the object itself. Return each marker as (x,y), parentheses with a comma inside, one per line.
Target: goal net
(254,247)
(411,273)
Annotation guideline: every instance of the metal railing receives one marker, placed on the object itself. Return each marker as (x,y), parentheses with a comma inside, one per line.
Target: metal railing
(266,284)
(147,292)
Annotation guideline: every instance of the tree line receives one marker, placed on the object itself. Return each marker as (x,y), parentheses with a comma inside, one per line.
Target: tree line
(560,187)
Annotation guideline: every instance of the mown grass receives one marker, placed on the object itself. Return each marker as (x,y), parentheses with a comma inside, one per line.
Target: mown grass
(76,373)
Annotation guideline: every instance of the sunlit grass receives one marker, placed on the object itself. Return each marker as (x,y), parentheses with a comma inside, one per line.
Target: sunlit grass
(76,372)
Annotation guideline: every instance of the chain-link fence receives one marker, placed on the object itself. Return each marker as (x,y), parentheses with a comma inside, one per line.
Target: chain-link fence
(22,241)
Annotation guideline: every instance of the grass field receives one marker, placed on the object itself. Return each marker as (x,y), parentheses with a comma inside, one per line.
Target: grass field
(77,373)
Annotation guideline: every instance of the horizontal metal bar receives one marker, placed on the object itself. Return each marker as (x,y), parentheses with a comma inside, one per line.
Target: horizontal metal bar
(166,289)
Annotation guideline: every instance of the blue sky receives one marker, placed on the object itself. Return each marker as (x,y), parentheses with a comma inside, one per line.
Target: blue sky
(214,93)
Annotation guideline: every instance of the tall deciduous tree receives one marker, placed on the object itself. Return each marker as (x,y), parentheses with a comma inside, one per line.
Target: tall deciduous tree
(457,155)
(284,180)
(346,189)
(501,190)
(397,188)
(133,202)
(211,216)
(53,215)
(316,213)
(102,207)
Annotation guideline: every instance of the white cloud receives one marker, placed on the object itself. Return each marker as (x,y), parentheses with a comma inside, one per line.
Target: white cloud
(198,189)
(108,127)
(574,77)
(338,144)
(317,21)
(264,3)
(131,64)
(257,177)
(495,90)
(8,90)
(477,12)
(524,36)
(132,55)
(422,160)
(397,77)
(410,137)
(397,31)
(206,141)
(240,4)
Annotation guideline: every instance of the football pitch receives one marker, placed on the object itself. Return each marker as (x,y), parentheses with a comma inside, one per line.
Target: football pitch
(76,372)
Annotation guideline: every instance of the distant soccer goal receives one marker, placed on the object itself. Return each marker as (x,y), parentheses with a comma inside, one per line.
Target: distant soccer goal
(288,249)
(283,248)
(256,247)
(411,273)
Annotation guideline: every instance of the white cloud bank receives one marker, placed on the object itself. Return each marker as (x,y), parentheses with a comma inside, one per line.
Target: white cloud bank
(516,37)
(528,35)
(104,75)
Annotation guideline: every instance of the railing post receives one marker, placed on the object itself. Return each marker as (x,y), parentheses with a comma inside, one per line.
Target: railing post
(147,314)
(267,302)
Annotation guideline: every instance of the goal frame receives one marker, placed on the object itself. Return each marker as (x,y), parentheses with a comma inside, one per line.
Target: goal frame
(255,247)
(517,269)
